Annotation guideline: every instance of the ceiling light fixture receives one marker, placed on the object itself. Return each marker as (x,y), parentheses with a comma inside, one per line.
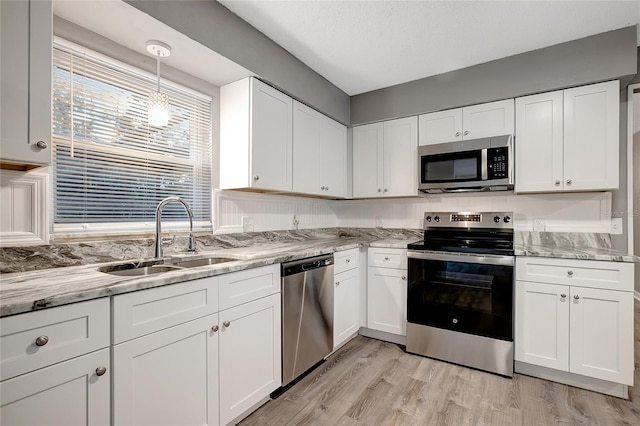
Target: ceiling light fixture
(158,101)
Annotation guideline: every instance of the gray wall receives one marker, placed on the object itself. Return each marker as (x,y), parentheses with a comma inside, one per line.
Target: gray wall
(214,26)
(600,57)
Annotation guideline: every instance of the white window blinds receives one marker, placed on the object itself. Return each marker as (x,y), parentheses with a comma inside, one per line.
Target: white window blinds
(110,167)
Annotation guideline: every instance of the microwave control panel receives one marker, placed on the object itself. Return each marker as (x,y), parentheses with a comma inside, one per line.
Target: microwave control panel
(498,163)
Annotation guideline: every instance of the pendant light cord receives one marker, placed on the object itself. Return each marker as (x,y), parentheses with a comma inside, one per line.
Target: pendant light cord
(158,69)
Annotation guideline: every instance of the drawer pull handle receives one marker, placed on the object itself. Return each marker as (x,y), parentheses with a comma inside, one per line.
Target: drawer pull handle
(42,340)
(226,323)
(404,278)
(215,328)
(564,296)
(100,371)
(570,273)
(348,260)
(576,297)
(386,259)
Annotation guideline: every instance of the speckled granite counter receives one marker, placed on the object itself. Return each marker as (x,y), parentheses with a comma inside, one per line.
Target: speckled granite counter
(44,287)
(569,245)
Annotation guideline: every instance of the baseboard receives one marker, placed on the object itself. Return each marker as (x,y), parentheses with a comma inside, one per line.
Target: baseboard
(589,383)
(383,335)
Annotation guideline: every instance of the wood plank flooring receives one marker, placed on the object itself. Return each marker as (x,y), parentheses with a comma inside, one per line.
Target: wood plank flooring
(369,382)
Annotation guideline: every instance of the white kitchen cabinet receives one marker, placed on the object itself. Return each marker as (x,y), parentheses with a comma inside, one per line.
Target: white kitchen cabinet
(255,137)
(55,366)
(346,296)
(26,34)
(472,122)
(575,316)
(168,377)
(568,140)
(67,393)
(319,153)
(250,355)
(387,290)
(385,159)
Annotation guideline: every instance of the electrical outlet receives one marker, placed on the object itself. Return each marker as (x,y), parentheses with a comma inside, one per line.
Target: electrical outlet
(378,221)
(538,225)
(616,226)
(247,224)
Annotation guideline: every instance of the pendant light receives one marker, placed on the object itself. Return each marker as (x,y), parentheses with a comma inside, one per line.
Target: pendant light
(158,101)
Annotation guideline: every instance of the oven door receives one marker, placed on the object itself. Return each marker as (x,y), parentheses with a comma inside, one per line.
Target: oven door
(460,292)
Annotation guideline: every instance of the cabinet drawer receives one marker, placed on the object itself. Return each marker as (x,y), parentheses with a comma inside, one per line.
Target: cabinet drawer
(345,260)
(147,311)
(583,273)
(245,286)
(68,331)
(388,258)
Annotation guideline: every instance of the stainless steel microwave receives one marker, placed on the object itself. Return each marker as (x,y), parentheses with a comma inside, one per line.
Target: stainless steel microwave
(471,165)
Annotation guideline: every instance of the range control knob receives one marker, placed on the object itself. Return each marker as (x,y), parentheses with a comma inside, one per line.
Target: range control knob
(428,218)
(507,219)
(437,218)
(496,219)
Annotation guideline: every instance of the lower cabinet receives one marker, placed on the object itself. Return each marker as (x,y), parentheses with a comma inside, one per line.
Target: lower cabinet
(346,306)
(387,300)
(250,355)
(73,392)
(576,317)
(168,377)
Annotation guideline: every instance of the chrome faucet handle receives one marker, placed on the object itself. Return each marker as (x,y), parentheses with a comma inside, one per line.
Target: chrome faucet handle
(192,243)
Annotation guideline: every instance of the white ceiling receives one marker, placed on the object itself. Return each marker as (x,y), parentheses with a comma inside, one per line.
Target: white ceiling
(366,45)
(132,28)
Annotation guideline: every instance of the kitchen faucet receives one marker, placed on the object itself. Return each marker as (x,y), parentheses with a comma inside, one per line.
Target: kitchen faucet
(192,241)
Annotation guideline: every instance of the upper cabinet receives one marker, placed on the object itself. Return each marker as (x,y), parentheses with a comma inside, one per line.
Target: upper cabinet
(385,159)
(473,122)
(25,106)
(568,140)
(319,153)
(255,137)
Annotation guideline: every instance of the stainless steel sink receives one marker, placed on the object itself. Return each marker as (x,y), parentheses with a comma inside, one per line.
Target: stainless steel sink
(202,262)
(134,269)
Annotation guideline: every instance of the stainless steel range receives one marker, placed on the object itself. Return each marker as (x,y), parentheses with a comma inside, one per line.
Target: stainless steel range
(461,286)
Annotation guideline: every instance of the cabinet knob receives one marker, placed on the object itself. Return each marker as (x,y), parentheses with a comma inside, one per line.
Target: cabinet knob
(256,177)
(337,282)
(557,183)
(379,190)
(466,132)
(404,278)
(348,260)
(42,145)
(576,297)
(457,133)
(215,328)
(569,181)
(326,187)
(385,190)
(100,371)
(323,188)
(386,259)
(42,340)
(564,296)
(226,323)
(570,274)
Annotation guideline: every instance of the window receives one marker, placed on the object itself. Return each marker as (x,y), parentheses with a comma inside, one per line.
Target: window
(110,167)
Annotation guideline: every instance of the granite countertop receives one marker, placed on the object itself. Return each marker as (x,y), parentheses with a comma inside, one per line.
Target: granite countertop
(42,288)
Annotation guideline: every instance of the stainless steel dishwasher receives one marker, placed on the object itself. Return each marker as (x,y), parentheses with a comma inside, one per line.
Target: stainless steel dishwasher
(307,314)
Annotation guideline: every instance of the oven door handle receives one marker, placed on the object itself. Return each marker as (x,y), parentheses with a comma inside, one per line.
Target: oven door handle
(463,258)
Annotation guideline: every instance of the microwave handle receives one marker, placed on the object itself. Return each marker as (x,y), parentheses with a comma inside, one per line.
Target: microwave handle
(484,173)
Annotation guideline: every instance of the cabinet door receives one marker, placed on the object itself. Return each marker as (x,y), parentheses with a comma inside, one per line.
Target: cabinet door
(271,138)
(440,127)
(250,351)
(387,300)
(602,334)
(306,150)
(346,306)
(168,377)
(542,324)
(539,143)
(486,120)
(333,158)
(68,393)
(367,160)
(25,37)
(591,136)
(400,157)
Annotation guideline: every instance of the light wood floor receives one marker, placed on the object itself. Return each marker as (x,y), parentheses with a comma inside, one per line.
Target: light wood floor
(369,382)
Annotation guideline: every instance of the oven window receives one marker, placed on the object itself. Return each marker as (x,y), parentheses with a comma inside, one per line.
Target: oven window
(451,167)
(472,298)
